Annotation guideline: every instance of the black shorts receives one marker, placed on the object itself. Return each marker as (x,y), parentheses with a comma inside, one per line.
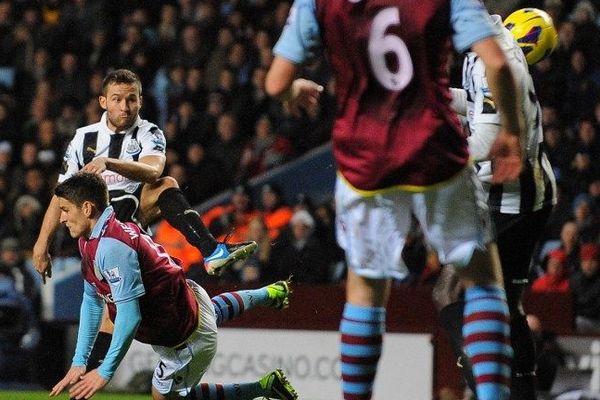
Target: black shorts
(126,205)
(517,236)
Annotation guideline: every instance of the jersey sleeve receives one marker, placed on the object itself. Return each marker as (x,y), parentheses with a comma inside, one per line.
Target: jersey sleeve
(71,161)
(120,266)
(300,39)
(484,107)
(471,23)
(484,123)
(153,142)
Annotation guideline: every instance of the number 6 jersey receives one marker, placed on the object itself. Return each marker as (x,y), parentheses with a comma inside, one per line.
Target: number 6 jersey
(394,125)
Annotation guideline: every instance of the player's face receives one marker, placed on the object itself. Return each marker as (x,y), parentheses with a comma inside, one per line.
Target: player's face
(122,104)
(75,218)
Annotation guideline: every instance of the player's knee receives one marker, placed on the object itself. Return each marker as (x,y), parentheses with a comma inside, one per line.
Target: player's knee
(167,182)
(483,268)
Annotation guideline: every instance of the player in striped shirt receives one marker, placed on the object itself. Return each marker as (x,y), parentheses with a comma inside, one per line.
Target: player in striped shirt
(129,154)
(519,208)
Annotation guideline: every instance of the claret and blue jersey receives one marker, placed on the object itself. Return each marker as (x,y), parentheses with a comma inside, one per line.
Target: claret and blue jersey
(394,125)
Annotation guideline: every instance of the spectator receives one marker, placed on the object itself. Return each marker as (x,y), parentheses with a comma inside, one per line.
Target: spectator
(28,213)
(5,156)
(203,174)
(227,149)
(586,218)
(26,281)
(585,286)
(300,253)
(266,150)
(556,278)
(258,264)
(275,213)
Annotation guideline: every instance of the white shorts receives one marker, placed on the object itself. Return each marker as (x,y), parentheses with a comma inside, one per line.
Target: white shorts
(180,369)
(372,228)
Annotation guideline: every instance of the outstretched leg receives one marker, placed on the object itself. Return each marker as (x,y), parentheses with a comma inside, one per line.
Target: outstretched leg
(231,304)
(166,198)
(273,385)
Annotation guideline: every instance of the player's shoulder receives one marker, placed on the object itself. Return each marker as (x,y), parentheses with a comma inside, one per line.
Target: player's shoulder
(81,132)
(145,126)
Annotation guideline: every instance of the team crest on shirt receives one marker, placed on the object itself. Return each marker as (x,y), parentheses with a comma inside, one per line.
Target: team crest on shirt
(133,147)
(113,274)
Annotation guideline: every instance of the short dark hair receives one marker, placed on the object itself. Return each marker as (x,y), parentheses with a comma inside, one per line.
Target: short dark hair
(121,76)
(82,187)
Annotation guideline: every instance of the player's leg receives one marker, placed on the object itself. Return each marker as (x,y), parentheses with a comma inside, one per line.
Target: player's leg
(164,197)
(273,385)
(448,296)
(372,231)
(517,237)
(232,304)
(456,223)
(180,369)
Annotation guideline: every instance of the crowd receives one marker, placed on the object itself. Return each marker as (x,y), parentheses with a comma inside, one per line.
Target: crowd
(203,65)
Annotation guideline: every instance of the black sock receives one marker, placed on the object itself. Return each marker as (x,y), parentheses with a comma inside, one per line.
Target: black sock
(523,382)
(177,211)
(99,350)
(451,318)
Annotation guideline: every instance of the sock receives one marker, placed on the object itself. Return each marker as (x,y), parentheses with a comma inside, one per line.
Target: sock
(451,318)
(99,350)
(230,391)
(232,304)
(362,331)
(177,211)
(522,383)
(487,342)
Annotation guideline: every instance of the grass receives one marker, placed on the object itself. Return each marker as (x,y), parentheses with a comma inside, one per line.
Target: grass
(18,395)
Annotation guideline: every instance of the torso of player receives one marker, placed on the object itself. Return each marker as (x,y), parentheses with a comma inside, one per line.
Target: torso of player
(144,138)
(169,309)
(394,125)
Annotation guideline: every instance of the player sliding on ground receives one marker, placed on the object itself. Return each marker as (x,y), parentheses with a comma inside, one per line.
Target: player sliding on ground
(150,300)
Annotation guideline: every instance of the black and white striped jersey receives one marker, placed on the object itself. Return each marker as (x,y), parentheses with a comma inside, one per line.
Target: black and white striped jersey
(536,187)
(97,140)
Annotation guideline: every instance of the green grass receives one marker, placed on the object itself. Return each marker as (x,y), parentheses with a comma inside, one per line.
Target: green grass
(16,395)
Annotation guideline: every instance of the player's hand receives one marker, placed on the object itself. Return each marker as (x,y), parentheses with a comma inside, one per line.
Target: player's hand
(304,94)
(506,158)
(42,262)
(72,376)
(96,166)
(88,385)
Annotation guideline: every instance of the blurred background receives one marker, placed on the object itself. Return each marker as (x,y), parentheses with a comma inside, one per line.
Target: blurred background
(255,170)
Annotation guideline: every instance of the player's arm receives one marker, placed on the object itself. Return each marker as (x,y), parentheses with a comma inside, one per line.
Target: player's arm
(501,83)
(473,29)
(126,323)
(120,267)
(90,317)
(298,43)
(51,221)
(147,169)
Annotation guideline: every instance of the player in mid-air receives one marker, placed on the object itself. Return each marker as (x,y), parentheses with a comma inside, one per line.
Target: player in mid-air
(399,149)
(520,208)
(149,299)
(129,153)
